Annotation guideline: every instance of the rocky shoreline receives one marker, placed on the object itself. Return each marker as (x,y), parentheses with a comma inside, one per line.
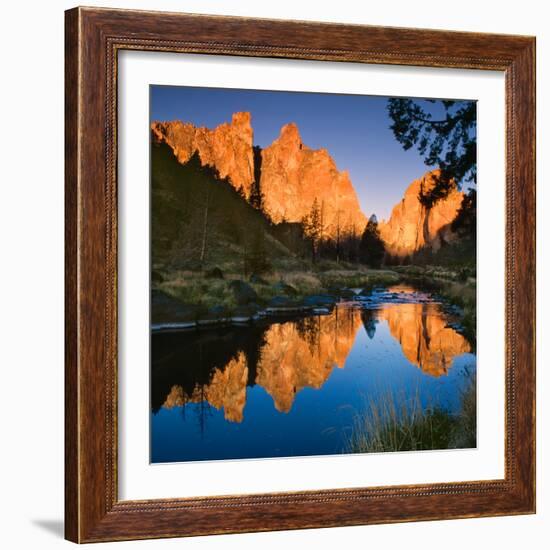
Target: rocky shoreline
(179,316)
(173,315)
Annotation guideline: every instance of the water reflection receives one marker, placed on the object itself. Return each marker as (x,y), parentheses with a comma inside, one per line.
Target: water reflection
(284,358)
(424,335)
(226,389)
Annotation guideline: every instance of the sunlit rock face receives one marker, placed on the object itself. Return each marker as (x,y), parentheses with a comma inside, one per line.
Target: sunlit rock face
(425,339)
(412,226)
(293,176)
(227,148)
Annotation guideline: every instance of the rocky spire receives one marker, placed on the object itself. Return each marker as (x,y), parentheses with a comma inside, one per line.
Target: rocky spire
(413,226)
(294,176)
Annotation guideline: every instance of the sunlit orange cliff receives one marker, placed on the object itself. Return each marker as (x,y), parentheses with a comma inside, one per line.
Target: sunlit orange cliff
(292,174)
(413,226)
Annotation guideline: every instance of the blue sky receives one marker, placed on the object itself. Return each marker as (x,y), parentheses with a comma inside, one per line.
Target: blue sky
(353,128)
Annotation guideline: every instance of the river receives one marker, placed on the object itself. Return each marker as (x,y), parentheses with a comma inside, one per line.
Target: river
(293,387)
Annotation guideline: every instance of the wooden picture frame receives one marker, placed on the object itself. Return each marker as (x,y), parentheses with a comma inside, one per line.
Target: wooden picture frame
(93,511)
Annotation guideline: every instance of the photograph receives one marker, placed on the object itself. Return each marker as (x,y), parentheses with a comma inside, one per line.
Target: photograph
(313,274)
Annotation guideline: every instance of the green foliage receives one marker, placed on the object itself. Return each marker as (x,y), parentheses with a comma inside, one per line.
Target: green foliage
(457,255)
(337,279)
(291,235)
(371,246)
(448,142)
(465,429)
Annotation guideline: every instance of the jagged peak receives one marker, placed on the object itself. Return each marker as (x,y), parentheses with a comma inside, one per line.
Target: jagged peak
(290,133)
(227,147)
(241,118)
(291,173)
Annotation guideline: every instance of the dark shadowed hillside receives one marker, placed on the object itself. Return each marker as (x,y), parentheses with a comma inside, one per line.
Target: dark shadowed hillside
(199,221)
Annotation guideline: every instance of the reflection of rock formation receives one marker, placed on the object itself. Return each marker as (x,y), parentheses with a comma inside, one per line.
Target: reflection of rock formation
(287,357)
(412,226)
(293,355)
(303,354)
(227,389)
(370,321)
(425,338)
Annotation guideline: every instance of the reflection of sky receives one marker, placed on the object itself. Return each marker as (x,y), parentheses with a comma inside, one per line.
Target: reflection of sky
(353,128)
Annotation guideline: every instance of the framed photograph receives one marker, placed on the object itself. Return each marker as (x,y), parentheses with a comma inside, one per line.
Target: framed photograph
(300,275)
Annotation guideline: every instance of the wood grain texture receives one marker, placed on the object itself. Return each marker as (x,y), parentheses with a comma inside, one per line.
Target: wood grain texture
(71,270)
(93,38)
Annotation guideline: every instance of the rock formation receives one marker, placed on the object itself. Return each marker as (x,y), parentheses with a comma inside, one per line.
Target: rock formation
(413,226)
(227,148)
(293,176)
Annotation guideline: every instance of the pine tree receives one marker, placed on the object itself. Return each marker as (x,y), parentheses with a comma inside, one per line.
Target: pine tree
(371,246)
(312,228)
(448,142)
(256,197)
(338,236)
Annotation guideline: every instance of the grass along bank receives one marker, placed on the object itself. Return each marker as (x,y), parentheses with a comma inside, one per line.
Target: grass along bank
(229,290)
(400,423)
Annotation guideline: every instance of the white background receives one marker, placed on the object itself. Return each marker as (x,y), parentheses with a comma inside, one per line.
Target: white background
(31,218)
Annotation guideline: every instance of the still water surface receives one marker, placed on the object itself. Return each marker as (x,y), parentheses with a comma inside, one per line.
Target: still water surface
(293,387)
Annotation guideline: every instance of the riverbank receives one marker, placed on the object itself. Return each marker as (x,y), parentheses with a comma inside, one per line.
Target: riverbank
(216,296)
(191,299)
